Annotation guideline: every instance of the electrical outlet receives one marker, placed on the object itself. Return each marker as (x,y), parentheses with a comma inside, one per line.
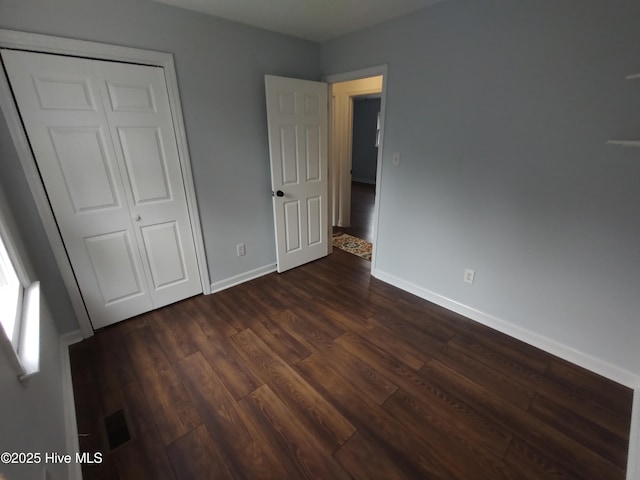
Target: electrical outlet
(395,160)
(469,275)
(240,249)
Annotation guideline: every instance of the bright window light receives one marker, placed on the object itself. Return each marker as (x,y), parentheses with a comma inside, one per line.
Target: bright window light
(19,301)
(10,296)
(29,349)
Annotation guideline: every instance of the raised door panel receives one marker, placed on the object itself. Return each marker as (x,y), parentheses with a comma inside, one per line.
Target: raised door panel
(286,103)
(292,226)
(127,97)
(163,246)
(289,155)
(112,259)
(117,288)
(315,221)
(145,163)
(63,92)
(87,173)
(313,153)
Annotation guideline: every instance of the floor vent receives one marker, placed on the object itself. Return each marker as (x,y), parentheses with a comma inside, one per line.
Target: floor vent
(117,430)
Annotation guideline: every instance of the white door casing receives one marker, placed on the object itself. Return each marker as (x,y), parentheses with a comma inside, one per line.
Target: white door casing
(297,123)
(103,138)
(334,169)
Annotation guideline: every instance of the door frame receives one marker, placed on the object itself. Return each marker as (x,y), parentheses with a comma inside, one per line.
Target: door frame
(356,75)
(79,48)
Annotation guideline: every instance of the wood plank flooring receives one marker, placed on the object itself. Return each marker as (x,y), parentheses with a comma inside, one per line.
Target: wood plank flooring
(324,372)
(363,199)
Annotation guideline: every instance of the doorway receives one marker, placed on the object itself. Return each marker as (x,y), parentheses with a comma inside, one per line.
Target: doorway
(364,162)
(357,120)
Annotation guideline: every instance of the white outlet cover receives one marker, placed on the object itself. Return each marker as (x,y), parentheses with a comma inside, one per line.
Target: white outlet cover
(469,275)
(396,159)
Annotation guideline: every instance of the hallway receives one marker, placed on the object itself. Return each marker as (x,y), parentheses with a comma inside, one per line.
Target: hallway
(362,206)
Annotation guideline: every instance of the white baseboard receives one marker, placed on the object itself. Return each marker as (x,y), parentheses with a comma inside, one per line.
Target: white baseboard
(633,460)
(241,278)
(549,345)
(594,364)
(71,427)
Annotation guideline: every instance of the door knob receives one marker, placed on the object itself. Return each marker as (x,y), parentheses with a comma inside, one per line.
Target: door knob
(280,193)
(137,218)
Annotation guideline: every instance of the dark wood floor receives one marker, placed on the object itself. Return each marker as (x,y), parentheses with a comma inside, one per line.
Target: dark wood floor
(363,198)
(324,372)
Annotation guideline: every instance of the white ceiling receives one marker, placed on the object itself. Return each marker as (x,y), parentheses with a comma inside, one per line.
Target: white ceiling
(316,20)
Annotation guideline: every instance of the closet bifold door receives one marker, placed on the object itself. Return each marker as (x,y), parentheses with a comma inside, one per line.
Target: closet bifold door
(102,136)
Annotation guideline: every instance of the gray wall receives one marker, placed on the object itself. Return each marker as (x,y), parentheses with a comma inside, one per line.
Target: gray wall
(501,111)
(221,67)
(32,413)
(364,153)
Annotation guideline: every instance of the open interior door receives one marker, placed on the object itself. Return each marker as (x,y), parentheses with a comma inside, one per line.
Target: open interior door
(297,121)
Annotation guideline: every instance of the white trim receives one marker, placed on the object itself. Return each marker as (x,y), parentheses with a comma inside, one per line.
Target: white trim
(71,427)
(625,143)
(594,364)
(66,46)
(69,46)
(242,277)
(354,75)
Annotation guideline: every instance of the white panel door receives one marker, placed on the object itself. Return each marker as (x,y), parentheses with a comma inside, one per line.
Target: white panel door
(103,140)
(139,117)
(297,122)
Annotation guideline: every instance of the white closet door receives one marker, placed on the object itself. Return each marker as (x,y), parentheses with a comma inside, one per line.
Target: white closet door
(139,117)
(103,140)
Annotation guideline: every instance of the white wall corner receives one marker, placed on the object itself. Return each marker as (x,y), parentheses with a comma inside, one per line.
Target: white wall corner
(242,278)
(71,427)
